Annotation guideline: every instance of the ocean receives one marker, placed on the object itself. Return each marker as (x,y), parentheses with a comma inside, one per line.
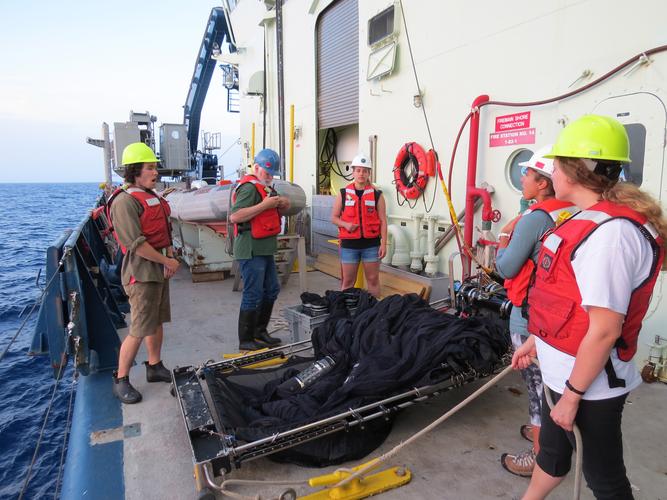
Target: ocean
(32,216)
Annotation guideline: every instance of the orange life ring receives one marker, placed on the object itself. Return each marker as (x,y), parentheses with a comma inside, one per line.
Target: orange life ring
(409,186)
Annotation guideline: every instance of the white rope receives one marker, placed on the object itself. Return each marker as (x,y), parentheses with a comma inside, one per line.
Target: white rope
(394,451)
(372,465)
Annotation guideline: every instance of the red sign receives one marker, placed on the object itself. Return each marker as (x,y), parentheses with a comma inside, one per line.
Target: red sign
(512,138)
(513,122)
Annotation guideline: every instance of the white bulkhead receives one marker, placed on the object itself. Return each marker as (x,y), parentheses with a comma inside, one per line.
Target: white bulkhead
(518,52)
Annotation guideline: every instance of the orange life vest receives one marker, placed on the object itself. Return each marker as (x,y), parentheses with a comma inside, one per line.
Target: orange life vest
(555,311)
(360,211)
(517,287)
(154,219)
(266,223)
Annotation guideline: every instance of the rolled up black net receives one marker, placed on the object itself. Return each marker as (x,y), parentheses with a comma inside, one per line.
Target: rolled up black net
(381,349)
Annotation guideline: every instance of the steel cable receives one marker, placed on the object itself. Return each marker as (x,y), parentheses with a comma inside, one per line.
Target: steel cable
(67,429)
(423,107)
(41,434)
(38,301)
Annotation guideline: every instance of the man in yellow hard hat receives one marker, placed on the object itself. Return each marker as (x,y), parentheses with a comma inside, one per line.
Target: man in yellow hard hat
(140,219)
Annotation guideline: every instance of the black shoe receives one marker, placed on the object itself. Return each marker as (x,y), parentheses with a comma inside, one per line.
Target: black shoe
(261,332)
(247,326)
(157,372)
(251,346)
(124,391)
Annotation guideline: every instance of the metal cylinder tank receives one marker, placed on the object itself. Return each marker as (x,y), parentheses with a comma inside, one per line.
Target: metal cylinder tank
(211,203)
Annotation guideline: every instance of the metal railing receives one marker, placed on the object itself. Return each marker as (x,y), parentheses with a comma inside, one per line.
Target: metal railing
(79,312)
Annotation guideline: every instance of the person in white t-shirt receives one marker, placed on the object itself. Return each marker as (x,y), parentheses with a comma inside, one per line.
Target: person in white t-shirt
(593,283)
(519,243)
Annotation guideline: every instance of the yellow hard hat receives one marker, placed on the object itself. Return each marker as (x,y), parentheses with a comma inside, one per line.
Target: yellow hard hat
(593,136)
(138,152)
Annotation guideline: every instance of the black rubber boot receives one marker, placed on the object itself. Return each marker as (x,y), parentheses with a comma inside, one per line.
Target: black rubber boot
(124,391)
(157,372)
(247,325)
(261,333)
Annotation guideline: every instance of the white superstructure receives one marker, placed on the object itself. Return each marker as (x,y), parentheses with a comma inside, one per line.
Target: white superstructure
(519,52)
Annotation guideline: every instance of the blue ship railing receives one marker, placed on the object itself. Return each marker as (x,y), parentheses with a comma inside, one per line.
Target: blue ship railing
(81,309)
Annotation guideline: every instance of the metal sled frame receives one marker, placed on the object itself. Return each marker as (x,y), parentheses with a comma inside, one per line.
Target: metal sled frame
(213,450)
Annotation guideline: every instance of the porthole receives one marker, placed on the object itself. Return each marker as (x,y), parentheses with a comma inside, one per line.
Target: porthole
(513,168)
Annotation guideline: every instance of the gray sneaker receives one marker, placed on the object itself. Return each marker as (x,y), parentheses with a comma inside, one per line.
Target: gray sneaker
(521,464)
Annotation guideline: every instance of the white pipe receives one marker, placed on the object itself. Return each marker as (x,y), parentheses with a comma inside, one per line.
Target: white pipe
(423,243)
(415,254)
(401,255)
(440,221)
(431,258)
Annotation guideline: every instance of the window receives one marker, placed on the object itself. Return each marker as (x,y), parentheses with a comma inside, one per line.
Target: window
(381,61)
(381,26)
(513,168)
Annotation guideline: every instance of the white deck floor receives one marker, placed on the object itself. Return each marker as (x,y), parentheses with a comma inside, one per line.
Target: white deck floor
(459,460)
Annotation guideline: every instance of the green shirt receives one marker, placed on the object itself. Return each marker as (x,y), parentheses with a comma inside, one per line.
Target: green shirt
(245,246)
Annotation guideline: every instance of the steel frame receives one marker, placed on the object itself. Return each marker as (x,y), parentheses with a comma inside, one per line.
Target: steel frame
(211,447)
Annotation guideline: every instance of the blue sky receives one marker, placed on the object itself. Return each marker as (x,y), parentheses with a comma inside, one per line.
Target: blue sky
(67,66)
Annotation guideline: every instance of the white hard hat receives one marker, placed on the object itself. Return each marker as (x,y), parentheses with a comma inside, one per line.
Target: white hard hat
(539,163)
(198,184)
(361,160)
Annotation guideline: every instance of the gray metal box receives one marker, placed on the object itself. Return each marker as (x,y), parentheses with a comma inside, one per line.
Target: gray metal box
(174,148)
(302,325)
(124,133)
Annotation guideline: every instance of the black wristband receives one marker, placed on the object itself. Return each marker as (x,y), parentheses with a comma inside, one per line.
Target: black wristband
(576,391)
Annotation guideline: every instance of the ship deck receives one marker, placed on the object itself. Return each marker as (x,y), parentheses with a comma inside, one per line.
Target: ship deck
(459,459)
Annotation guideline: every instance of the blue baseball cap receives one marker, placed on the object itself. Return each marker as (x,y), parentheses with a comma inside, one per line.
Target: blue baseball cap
(269,160)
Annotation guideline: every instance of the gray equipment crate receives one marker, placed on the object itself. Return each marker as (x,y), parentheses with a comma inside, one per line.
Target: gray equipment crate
(301,324)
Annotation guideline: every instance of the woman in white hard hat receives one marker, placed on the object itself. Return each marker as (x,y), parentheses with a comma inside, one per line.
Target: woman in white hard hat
(360,213)
(593,283)
(518,247)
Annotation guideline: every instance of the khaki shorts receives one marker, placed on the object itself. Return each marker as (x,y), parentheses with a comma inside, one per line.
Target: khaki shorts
(149,306)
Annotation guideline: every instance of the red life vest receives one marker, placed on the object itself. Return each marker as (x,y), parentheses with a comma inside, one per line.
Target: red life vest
(266,223)
(555,313)
(517,287)
(154,219)
(360,211)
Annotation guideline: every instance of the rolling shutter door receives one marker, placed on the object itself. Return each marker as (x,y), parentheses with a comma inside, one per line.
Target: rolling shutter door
(338,65)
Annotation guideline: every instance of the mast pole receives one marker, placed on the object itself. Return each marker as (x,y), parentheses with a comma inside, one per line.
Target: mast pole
(281,86)
(107,157)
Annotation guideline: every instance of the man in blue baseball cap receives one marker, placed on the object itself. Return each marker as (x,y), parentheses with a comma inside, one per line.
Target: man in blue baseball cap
(256,211)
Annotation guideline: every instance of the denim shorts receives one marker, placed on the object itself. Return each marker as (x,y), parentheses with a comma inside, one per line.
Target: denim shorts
(354,255)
